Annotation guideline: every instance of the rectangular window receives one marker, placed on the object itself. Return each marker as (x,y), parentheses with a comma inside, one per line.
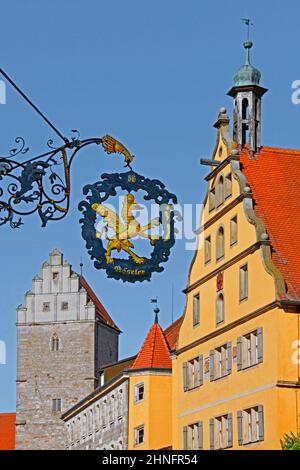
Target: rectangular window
(65,306)
(222,432)
(212,200)
(220,362)
(207,250)
(249,349)
(193,436)
(139,435)
(196,310)
(55,276)
(139,392)
(250,425)
(228,186)
(244,282)
(56,404)
(233,231)
(46,306)
(193,373)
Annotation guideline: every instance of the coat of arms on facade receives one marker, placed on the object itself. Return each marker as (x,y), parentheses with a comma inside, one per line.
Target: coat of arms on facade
(128,222)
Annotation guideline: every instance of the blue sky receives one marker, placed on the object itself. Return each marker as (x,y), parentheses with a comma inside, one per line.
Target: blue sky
(153,74)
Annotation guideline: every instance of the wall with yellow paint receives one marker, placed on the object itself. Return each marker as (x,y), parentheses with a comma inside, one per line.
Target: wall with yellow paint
(154,412)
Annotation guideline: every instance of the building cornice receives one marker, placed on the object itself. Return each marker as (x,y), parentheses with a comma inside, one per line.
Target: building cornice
(230,326)
(94,396)
(224,266)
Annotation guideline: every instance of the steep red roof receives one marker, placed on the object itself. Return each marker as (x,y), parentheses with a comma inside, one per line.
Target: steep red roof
(274,178)
(7,431)
(171,333)
(100,310)
(155,351)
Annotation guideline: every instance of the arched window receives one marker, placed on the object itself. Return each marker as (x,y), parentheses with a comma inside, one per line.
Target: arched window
(220,243)
(220,308)
(55,343)
(220,192)
(245,117)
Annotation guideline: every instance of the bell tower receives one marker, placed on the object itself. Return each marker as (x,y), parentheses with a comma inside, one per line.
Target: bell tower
(247,95)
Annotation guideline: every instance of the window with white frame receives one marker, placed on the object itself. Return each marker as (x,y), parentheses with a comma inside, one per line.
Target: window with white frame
(211,199)
(207,250)
(193,373)
(65,305)
(220,192)
(243,282)
(220,308)
(220,362)
(139,392)
(220,243)
(56,405)
(233,231)
(139,436)
(196,309)
(193,436)
(249,349)
(228,186)
(221,432)
(250,425)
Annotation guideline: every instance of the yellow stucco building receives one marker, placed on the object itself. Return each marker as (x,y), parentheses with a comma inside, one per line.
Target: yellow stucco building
(235,368)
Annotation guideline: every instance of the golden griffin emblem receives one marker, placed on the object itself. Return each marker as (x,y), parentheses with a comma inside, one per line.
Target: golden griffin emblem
(124,230)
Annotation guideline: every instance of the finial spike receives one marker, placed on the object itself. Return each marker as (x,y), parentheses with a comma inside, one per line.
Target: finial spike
(156,310)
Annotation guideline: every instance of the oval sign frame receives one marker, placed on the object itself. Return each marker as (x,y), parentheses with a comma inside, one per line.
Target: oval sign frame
(126,269)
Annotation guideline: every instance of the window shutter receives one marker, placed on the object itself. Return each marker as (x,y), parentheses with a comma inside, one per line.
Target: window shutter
(211,365)
(185,431)
(200,370)
(228,358)
(260,423)
(240,427)
(229,417)
(211,433)
(239,353)
(200,435)
(185,377)
(259,344)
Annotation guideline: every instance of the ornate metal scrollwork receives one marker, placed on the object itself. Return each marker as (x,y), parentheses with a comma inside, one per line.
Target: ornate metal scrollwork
(42,184)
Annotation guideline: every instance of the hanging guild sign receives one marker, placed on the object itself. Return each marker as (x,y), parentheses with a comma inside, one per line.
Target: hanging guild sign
(128,221)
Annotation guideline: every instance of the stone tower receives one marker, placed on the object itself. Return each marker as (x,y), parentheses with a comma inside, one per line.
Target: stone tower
(247,94)
(64,336)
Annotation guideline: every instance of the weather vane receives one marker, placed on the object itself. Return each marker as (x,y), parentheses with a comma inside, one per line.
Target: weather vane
(248,23)
(42,184)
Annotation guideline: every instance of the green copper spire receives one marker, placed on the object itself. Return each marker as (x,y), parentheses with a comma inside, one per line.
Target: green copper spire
(247,74)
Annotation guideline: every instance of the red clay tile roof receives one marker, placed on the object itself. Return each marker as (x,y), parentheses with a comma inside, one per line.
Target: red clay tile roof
(7,431)
(100,310)
(155,351)
(171,333)
(274,178)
